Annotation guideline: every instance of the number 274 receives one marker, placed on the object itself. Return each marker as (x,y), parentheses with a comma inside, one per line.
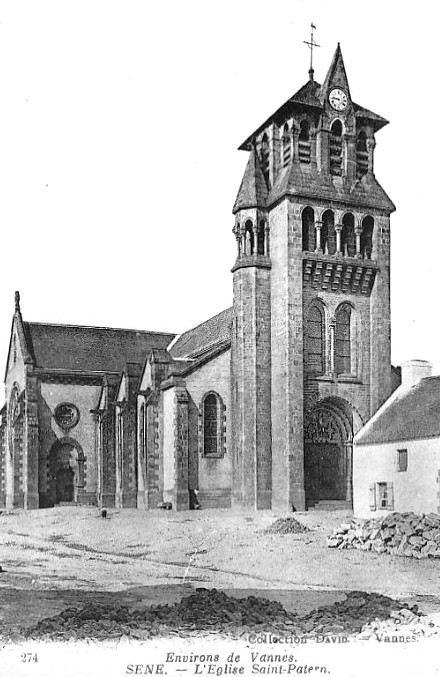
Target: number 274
(29,658)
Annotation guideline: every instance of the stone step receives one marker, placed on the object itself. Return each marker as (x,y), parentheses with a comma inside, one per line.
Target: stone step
(331,505)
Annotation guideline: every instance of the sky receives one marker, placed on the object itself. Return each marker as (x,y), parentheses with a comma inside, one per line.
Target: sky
(119,127)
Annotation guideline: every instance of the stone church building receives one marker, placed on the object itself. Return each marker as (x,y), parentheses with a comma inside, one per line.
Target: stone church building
(257,406)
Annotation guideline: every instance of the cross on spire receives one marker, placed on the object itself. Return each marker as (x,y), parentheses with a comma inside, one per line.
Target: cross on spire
(311,45)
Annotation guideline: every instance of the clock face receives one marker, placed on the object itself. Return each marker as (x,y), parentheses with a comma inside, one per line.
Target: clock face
(338,99)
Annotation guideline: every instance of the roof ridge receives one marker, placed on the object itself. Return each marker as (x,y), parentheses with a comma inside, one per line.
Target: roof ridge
(205,321)
(89,326)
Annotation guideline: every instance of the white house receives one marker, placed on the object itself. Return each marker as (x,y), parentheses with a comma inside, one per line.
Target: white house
(396,455)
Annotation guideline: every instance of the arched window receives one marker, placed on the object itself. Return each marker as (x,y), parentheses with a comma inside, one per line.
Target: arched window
(343,340)
(286,146)
(304,142)
(336,148)
(261,238)
(308,230)
(249,238)
(328,233)
(361,154)
(367,237)
(212,425)
(316,340)
(348,238)
(265,156)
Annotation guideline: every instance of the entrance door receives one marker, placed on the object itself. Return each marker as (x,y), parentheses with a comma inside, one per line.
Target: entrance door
(64,485)
(325,465)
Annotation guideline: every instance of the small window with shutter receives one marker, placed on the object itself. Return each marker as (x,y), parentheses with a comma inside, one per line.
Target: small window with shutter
(384,496)
(381,496)
(402,460)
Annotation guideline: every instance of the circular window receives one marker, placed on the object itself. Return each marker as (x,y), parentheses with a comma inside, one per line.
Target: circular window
(66,415)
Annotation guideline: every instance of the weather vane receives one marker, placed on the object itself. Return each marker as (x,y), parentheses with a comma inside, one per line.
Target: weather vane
(311,45)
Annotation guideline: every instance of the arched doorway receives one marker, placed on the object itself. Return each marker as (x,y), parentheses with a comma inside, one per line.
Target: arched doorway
(328,446)
(66,472)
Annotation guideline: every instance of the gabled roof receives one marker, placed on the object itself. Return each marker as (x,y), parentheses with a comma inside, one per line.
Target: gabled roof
(253,189)
(336,74)
(204,337)
(410,413)
(102,349)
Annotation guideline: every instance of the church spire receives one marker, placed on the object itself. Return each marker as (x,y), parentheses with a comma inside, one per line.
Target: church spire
(17,302)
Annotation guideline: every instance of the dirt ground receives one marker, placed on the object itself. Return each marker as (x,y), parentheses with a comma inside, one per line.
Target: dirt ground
(54,558)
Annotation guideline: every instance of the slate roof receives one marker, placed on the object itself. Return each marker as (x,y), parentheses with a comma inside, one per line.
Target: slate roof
(253,189)
(76,348)
(311,95)
(204,337)
(409,414)
(298,179)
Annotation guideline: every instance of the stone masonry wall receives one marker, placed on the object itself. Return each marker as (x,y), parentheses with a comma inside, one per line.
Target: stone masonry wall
(380,316)
(287,356)
(251,386)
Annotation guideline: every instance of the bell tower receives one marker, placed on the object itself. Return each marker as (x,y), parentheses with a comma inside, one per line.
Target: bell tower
(311,338)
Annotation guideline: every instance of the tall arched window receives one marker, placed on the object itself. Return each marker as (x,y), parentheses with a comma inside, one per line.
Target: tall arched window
(316,340)
(249,238)
(367,237)
(265,156)
(308,230)
(348,238)
(261,238)
(304,142)
(328,233)
(361,154)
(336,148)
(343,340)
(286,146)
(212,425)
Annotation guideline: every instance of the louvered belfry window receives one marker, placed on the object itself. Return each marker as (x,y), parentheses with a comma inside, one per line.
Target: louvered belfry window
(315,340)
(265,156)
(343,341)
(361,154)
(210,425)
(336,148)
(286,146)
(304,151)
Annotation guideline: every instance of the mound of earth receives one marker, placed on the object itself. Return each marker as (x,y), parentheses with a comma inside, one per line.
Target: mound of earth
(212,611)
(286,525)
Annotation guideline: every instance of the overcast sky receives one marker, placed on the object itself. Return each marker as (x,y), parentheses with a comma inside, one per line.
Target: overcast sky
(119,127)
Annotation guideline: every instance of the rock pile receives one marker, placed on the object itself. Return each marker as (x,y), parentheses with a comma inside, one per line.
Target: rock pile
(286,525)
(405,534)
(211,611)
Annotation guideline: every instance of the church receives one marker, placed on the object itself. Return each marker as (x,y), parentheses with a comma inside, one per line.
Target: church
(258,406)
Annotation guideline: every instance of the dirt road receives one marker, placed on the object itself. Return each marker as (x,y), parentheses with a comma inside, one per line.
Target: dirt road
(53,558)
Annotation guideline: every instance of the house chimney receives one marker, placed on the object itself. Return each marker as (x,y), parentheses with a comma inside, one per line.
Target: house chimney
(414,370)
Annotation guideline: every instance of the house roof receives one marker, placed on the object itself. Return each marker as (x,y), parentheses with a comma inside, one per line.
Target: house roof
(410,413)
(77,348)
(204,337)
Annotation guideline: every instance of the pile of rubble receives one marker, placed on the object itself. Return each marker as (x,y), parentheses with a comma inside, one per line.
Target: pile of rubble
(211,611)
(405,534)
(286,525)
